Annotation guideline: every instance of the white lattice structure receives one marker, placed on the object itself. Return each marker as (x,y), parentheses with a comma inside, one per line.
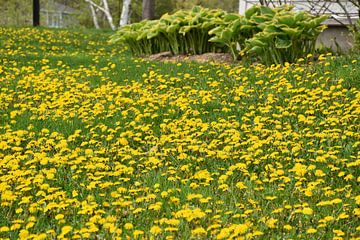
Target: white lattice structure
(342,12)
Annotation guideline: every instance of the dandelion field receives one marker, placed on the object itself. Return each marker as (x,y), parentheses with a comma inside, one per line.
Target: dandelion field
(95,144)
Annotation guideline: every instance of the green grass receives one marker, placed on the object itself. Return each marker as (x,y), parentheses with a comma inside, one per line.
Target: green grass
(102,137)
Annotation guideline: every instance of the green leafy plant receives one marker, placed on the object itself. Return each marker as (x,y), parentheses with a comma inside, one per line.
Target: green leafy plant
(184,32)
(355,32)
(229,33)
(285,37)
(272,35)
(235,29)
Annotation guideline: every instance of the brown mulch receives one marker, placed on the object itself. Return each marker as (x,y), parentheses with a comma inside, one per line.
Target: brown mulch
(206,57)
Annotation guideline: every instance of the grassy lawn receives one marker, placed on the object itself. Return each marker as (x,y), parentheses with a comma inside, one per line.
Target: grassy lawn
(96,144)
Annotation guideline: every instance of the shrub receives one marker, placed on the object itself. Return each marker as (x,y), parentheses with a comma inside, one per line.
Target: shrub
(184,32)
(356,36)
(235,29)
(271,35)
(286,36)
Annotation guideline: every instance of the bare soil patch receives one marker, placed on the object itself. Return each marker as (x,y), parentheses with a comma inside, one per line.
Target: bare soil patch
(202,58)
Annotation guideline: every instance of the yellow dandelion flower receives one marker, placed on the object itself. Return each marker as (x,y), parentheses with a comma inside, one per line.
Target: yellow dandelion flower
(59,216)
(66,229)
(307,211)
(23,234)
(311,230)
(41,236)
(137,233)
(271,223)
(155,230)
(4,229)
(198,231)
(128,226)
(288,227)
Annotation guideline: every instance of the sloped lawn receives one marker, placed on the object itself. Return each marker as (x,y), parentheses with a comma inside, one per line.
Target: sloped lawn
(96,144)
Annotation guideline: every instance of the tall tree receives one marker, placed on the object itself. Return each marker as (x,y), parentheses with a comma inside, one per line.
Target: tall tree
(94,16)
(36,13)
(148,9)
(104,8)
(125,13)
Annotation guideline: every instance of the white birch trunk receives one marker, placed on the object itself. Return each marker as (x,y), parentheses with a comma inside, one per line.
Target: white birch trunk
(94,17)
(242,7)
(108,15)
(125,13)
(105,10)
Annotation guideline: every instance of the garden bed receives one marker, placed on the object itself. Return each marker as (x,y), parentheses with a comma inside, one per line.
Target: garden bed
(206,57)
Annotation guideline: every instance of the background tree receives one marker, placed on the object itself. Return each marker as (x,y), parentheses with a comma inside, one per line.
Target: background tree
(161,7)
(16,13)
(103,6)
(125,13)
(36,13)
(148,9)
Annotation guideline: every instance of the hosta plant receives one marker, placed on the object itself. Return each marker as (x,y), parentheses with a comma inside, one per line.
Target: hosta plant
(233,29)
(140,38)
(286,37)
(355,32)
(184,32)
(272,35)
(231,33)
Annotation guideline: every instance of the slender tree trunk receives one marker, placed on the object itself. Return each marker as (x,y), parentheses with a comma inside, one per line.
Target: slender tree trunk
(105,10)
(36,13)
(125,13)
(148,9)
(108,14)
(242,6)
(94,17)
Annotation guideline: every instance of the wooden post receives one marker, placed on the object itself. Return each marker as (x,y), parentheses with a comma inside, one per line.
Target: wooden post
(36,13)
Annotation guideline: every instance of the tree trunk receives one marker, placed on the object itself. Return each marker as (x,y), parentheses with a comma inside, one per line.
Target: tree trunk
(94,17)
(105,10)
(108,14)
(36,13)
(148,9)
(125,13)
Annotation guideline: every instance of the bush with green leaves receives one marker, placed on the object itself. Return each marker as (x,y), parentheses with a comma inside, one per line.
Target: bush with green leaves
(184,32)
(230,33)
(275,35)
(355,31)
(235,29)
(139,44)
(286,37)
(272,35)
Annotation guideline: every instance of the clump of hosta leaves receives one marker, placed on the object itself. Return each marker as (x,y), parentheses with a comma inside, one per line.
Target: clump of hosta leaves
(138,38)
(355,32)
(235,29)
(184,32)
(231,33)
(285,37)
(188,31)
(271,35)
(275,35)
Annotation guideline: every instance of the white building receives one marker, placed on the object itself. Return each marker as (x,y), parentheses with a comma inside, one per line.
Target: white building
(57,15)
